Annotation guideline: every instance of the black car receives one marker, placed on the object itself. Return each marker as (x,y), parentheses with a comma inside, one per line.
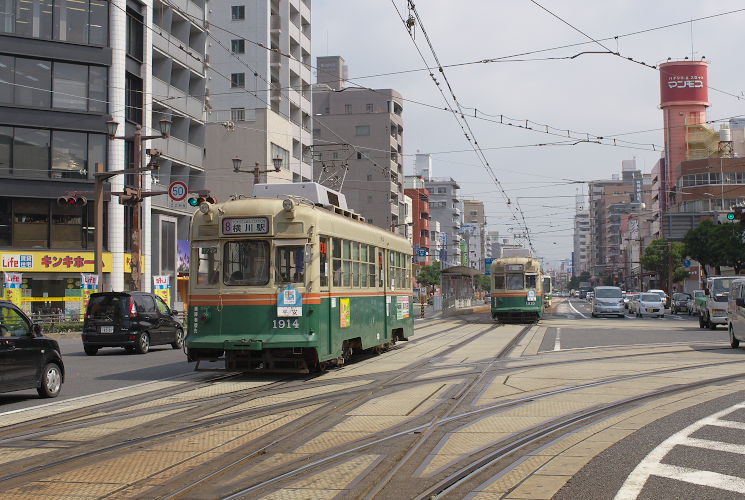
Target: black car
(28,360)
(132,320)
(680,302)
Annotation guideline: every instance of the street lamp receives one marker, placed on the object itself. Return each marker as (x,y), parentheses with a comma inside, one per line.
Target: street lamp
(257,168)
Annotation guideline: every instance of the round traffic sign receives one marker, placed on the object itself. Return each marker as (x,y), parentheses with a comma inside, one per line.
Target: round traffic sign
(178,191)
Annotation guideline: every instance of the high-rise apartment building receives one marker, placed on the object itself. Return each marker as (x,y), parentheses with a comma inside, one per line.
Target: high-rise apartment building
(474,215)
(259,93)
(582,249)
(415,189)
(359,132)
(445,207)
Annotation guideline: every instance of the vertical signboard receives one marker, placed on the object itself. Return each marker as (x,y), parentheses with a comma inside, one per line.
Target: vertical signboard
(12,287)
(162,288)
(88,285)
(345,313)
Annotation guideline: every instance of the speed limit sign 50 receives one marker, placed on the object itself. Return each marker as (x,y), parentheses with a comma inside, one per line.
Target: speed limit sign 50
(177,191)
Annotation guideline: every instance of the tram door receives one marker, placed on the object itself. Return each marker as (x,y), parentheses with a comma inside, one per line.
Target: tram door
(326,313)
(385,285)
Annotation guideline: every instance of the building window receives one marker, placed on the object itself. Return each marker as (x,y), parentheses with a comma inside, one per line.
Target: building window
(361,130)
(133,98)
(97,89)
(135,39)
(6,149)
(35,81)
(335,155)
(70,86)
(347,109)
(31,223)
(441,190)
(363,156)
(369,177)
(31,152)
(71,20)
(76,21)
(238,12)
(6,77)
(237,80)
(369,108)
(238,114)
(238,46)
(316,133)
(167,247)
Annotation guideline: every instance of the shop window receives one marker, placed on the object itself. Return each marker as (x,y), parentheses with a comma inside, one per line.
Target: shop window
(69,152)
(31,152)
(31,223)
(34,79)
(67,226)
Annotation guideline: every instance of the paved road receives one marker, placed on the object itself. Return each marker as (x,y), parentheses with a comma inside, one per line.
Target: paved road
(110,369)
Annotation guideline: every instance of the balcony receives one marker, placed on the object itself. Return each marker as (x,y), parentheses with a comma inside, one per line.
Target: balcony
(177,99)
(181,151)
(194,11)
(276,24)
(177,50)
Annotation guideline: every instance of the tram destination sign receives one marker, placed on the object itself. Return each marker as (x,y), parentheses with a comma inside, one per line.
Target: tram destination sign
(249,225)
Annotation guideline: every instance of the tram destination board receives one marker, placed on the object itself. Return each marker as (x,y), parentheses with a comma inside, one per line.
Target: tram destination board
(251,225)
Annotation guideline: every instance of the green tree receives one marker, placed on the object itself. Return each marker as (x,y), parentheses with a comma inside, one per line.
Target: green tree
(482,282)
(574,282)
(700,245)
(729,238)
(429,276)
(658,255)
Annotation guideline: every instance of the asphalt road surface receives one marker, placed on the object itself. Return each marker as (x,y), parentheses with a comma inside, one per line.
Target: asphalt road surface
(110,369)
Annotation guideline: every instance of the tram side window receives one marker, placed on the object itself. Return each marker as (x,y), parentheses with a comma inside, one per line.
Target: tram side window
(515,281)
(499,282)
(346,265)
(323,252)
(337,261)
(400,270)
(371,266)
(530,280)
(246,263)
(208,272)
(290,264)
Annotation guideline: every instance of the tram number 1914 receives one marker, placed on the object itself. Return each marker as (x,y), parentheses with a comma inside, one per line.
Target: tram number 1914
(285,323)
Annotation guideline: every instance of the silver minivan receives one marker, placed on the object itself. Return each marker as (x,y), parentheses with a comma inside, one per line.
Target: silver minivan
(608,300)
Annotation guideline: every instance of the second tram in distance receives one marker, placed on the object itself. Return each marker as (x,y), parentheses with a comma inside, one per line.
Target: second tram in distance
(517,289)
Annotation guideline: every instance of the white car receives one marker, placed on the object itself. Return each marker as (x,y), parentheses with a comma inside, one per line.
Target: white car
(650,304)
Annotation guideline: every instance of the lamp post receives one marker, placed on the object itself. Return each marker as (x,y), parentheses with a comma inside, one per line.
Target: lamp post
(257,168)
(133,197)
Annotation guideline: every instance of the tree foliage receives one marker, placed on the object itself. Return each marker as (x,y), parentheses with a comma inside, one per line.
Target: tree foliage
(429,275)
(576,280)
(482,282)
(716,245)
(660,254)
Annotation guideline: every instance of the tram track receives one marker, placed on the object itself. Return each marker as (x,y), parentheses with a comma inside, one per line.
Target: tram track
(134,442)
(296,469)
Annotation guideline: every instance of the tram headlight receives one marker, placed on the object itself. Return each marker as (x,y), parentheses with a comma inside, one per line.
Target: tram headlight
(204,208)
(288,205)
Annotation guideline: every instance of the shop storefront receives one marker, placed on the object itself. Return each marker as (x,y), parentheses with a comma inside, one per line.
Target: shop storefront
(51,280)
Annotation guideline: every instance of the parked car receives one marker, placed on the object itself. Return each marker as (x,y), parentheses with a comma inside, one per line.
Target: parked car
(680,302)
(607,300)
(628,298)
(736,312)
(692,305)
(663,294)
(650,304)
(28,359)
(132,320)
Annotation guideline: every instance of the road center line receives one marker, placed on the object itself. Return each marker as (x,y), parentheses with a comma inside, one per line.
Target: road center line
(557,342)
(575,310)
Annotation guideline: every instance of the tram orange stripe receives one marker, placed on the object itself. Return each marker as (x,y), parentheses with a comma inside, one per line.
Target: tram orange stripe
(520,294)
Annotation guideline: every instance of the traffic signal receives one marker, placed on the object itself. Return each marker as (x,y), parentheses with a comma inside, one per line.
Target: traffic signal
(72,201)
(197,199)
(129,197)
(731,216)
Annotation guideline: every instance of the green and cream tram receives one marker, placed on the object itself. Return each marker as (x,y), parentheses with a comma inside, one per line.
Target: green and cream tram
(289,285)
(517,289)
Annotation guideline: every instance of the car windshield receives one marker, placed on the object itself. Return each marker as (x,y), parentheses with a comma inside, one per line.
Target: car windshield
(721,286)
(650,297)
(681,296)
(608,293)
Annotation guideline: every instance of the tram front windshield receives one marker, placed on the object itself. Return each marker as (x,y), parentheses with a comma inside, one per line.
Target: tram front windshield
(246,263)
(515,281)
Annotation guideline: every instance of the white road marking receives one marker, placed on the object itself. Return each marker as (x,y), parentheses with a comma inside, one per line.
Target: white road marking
(557,342)
(575,310)
(652,464)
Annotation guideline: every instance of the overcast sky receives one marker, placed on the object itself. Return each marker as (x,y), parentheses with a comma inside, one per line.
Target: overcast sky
(596,93)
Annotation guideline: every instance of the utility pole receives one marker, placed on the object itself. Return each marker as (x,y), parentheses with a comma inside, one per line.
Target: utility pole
(134,196)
